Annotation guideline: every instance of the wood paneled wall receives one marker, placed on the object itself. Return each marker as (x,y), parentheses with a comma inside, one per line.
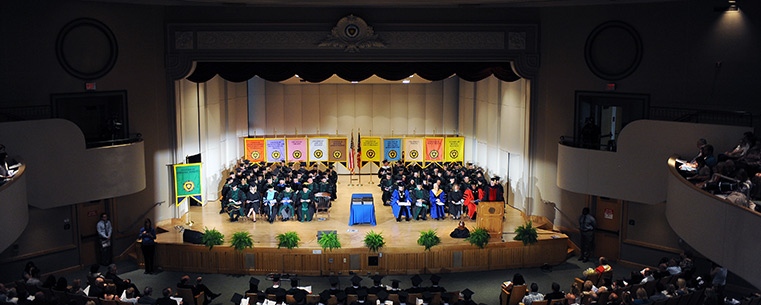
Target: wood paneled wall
(443,259)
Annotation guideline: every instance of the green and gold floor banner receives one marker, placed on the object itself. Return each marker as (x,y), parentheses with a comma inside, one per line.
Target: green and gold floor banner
(187,181)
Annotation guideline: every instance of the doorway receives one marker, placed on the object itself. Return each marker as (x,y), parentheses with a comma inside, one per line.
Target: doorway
(88,215)
(600,116)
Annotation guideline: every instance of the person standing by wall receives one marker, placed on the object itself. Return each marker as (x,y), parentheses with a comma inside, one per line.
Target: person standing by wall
(104,233)
(148,244)
(587,225)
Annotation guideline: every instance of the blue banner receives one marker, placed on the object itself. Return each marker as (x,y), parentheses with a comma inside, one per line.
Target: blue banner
(392,149)
(275,150)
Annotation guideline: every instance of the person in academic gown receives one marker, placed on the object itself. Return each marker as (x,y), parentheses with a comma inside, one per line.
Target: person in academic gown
(495,191)
(286,199)
(435,279)
(400,203)
(416,281)
(355,285)
(461,231)
(270,203)
(472,198)
(253,202)
(438,199)
(455,200)
(387,187)
(235,203)
(377,286)
(467,294)
(421,202)
(305,207)
(275,289)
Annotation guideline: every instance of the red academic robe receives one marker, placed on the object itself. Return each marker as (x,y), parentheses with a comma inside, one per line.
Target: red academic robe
(469,197)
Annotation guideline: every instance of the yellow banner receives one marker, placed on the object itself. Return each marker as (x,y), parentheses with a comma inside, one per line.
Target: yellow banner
(371,149)
(454,149)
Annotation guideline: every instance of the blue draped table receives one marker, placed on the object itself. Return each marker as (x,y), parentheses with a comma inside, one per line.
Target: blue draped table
(362,213)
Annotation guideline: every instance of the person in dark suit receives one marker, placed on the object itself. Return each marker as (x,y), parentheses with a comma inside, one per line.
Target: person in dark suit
(556,294)
(166,300)
(147,297)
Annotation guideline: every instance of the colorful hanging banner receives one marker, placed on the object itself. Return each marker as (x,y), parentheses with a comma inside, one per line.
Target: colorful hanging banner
(371,149)
(275,150)
(297,150)
(337,150)
(414,149)
(255,150)
(392,149)
(453,149)
(318,150)
(434,150)
(187,182)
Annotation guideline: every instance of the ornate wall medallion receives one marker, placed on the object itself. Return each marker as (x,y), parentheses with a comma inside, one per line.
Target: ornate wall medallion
(351,33)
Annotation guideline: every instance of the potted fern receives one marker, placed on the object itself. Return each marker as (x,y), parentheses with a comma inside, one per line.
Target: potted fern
(242,240)
(479,237)
(526,233)
(288,240)
(212,237)
(374,241)
(329,241)
(428,239)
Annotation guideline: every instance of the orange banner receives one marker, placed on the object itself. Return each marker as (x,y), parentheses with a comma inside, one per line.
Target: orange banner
(434,148)
(255,150)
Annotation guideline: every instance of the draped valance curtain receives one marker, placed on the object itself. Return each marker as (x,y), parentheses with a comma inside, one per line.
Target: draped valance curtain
(351,71)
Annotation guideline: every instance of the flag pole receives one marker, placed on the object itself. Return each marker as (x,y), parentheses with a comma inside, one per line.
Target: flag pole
(356,161)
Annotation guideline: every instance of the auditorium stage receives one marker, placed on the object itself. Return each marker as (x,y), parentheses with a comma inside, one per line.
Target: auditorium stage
(401,255)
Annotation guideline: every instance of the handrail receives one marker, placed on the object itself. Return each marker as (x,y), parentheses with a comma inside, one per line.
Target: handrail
(672,169)
(21,169)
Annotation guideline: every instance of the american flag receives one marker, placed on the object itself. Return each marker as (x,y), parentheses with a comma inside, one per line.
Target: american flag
(351,155)
(359,151)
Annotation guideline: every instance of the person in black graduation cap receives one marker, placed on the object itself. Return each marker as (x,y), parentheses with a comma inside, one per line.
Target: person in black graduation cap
(300,297)
(295,286)
(382,296)
(377,286)
(427,297)
(466,298)
(446,298)
(361,297)
(403,296)
(280,296)
(333,290)
(355,285)
(341,296)
(435,284)
(324,297)
(394,287)
(253,287)
(275,289)
(416,280)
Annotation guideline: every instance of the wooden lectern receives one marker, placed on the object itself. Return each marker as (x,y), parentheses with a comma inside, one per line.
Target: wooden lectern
(490,216)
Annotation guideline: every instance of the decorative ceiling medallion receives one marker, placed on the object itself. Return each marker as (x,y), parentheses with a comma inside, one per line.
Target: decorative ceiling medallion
(351,33)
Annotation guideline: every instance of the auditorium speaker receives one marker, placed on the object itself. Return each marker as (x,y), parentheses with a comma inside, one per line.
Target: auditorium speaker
(193,237)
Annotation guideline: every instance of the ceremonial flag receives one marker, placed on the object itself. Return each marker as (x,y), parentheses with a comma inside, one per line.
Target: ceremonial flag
(337,150)
(392,149)
(434,148)
(318,150)
(372,149)
(255,150)
(275,150)
(453,149)
(297,150)
(187,182)
(358,161)
(351,156)
(414,150)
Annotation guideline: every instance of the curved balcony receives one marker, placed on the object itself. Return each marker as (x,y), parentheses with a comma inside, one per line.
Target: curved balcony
(635,171)
(14,211)
(62,171)
(720,230)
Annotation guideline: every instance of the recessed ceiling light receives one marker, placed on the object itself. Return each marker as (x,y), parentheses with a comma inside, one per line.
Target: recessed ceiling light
(406,81)
(354,82)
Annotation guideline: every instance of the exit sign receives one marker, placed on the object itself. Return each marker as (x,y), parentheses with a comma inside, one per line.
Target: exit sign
(90,86)
(610,87)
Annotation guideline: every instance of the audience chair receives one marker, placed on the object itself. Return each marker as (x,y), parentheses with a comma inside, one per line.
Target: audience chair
(62,296)
(650,287)
(516,296)
(94,299)
(333,300)
(436,300)
(271,297)
(253,298)
(541,302)
(455,296)
(557,302)
(322,206)
(200,298)
(289,299)
(697,297)
(107,302)
(394,298)
(351,298)
(371,299)
(413,298)
(313,298)
(605,275)
(673,301)
(683,300)
(602,298)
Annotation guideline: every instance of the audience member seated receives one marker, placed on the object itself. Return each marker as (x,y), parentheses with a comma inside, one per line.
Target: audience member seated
(533,295)
(641,297)
(555,294)
(741,149)
(147,297)
(166,299)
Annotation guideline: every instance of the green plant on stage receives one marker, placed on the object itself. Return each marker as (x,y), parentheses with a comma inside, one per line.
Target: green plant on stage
(212,237)
(288,240)
(526,233)
(329,241)
(242,240)
(428,239)
(479,237)
(374,241)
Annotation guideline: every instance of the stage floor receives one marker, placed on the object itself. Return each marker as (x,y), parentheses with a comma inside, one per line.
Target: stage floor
(400,235)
